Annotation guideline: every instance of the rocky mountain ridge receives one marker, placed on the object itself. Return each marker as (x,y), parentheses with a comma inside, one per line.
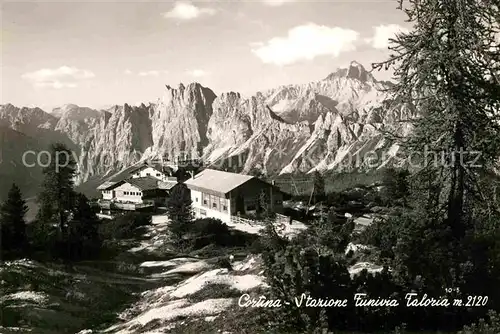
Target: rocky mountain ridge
(283,130)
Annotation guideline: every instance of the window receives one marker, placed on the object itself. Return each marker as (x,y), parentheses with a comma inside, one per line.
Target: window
(203,212)
(196,199)
(223,203)
(213,201)
(148,174)
(158,174)
(205,199)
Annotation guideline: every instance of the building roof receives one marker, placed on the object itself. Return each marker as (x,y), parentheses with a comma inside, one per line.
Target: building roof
(166,185)
(121,175)
(129,171)
(142,183)
(217,181)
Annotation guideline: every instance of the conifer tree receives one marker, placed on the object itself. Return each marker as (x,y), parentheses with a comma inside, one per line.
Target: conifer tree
(57,197)
(397,186)
(83,229)
(319,187)
(448,69)
(179,211)
(12,223)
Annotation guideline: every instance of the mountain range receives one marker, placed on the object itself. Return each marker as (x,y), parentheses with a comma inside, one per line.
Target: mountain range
(288,129)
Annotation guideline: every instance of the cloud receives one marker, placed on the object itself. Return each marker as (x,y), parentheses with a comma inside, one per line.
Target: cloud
(198,73)
(183,10)
(62,77)
(152,73)
(306,42)
(383,33)
(149,73)
(276,3)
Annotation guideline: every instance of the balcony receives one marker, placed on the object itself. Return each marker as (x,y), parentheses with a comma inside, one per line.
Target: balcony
(127,206)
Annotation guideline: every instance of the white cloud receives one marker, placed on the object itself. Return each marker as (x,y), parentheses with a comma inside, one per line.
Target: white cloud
(276,3)
(183,10)
(306,42)
(127,72)
(62,77)
(149,73)
(197,73)
(383,33)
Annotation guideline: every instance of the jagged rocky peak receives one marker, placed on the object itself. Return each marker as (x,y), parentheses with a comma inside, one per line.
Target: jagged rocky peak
(18,118)
(74,112)
(181,87)
(188,94)
(324,118)
(230,96)
(355,71)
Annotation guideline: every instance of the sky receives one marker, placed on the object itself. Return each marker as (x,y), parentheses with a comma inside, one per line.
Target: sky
(96,54)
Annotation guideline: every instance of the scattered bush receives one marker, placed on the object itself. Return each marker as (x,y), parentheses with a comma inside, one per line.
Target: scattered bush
(490,326)
(213,291)
(209,231)
(124,226)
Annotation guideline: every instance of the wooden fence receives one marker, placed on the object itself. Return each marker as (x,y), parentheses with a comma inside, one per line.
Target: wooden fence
(241,220)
